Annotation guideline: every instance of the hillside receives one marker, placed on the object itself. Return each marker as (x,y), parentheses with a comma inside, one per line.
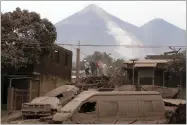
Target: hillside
(93,25)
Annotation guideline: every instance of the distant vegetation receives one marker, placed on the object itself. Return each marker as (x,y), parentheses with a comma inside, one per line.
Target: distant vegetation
(104,57)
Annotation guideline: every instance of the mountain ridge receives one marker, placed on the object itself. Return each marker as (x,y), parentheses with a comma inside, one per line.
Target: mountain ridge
(94,25)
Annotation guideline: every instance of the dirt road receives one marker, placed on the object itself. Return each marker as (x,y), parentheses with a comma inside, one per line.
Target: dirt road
(28,121)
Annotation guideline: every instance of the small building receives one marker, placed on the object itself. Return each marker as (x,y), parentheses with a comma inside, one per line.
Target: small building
(146,72)
(151,72)
(37,79)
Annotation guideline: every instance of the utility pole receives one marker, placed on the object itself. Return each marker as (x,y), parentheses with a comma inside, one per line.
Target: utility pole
(133,60)
(78,63)
(133,73)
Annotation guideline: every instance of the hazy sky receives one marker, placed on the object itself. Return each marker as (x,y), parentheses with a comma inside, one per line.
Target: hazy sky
(134,12)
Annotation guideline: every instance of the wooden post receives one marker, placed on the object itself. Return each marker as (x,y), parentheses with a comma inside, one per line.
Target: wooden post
(153,82)
(10,99)
(39,86)
(138,80)
(30,90)
(10,84)
(133,75)
(77,64)
(163,79)
(180,79)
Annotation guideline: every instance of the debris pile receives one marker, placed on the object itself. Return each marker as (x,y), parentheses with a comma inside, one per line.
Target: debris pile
(179,116)
(166,92)
(27,121)
(126,88)
(95,79)
(94,82)
(175,111)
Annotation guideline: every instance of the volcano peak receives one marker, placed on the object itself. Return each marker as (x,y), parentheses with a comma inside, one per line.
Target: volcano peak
(93,8)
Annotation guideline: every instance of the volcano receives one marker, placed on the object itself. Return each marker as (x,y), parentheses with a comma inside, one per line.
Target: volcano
(93,25)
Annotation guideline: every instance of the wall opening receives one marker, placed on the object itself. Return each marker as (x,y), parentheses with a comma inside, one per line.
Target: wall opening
(57,56)
(66,59)
(59,96)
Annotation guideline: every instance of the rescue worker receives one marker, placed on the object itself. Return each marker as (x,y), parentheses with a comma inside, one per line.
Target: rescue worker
(93,67)
(100,64)
(97,68)
(86,67)
(105,69)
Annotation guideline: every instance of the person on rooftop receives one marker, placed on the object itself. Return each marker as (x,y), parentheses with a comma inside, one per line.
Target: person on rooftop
(86,67)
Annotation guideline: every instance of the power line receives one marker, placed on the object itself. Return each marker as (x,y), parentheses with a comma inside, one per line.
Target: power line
(107,45)
(129,46)
(75,49)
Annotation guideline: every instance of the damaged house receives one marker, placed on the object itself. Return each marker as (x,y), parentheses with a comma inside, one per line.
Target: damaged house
(151,71)
(36,80)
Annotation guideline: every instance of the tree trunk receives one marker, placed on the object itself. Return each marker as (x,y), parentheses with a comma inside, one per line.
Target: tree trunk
(180,79)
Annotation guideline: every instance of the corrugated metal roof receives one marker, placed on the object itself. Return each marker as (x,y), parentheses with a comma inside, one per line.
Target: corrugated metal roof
(145,65)
(150,61)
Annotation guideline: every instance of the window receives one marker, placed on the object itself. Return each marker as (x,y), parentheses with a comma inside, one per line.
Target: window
(66,59)
(88,107)
(57,56)
(60,96)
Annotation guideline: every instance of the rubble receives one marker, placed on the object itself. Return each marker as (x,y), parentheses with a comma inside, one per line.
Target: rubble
(166,92)
(95,82)
(126,88)
(28,121)
(95,79)
(174,102)
(179,116)
(11,117)
(175,111)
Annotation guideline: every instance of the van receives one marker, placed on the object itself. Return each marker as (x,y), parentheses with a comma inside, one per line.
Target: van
(115,107)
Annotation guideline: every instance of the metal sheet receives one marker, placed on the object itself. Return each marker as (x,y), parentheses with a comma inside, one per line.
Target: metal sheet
(175,101)
(145,65)
(151,61)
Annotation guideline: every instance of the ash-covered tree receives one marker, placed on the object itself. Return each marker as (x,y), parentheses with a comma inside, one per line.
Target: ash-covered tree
(105,58)
(24,38)
(99,56)
(177,66)
(118,62)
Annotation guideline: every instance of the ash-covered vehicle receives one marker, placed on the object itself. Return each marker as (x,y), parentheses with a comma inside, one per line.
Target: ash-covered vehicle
(51,102)
(116,107)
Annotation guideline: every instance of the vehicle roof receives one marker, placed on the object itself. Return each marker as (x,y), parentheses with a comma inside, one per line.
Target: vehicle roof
(61,89)
(72,105)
